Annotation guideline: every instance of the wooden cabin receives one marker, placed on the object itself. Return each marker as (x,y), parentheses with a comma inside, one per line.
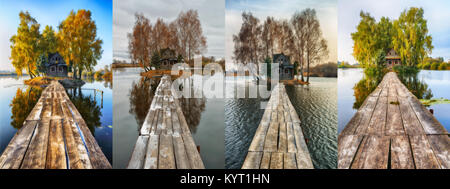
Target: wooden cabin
(392,59)
(286,69)
(56,66)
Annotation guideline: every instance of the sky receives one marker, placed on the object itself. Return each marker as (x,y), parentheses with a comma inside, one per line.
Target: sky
(52,12)
(211,14)
(281,9)
(435,12)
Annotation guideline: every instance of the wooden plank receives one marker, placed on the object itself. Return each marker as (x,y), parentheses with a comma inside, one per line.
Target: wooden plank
(429,123)
(290,161)
(265,161)
(194,157)
(252,160)
(394,123)
(270,144)
(282,143)
(378,120)
(36,154)
(411,123)
(77,152)
(15,151)
(401,156)
(441,148)
(166,159)
(373,153)
(366,114)
(96,156)
(290,138)
(152,152)
(56,153)
(424,157)
(257,143)
(276,161)
(138,155)
(181,157)
(347,147)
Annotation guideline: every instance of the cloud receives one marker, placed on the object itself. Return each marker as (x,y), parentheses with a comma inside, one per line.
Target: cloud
(211,15)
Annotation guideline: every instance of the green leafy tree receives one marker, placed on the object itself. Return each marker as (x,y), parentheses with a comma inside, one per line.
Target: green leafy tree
(156,60)
(48,41)
(411,39)
(40,64)
(24,45)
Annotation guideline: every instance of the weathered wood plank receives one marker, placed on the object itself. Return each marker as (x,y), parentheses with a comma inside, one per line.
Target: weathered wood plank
(56,153)
(36,155)
(152,152)
(181,157)
(401,156)
(424,157)
(265,161)
(15,151)
(166,159)
(373,153)
(347,148)
(290,161)
(138,155)
(276,161)
(252,160)
(441,148)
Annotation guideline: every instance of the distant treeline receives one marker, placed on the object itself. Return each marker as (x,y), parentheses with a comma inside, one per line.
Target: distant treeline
(434,64)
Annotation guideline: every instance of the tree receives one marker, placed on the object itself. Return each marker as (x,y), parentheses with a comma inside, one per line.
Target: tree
(299,32)
(315,45)
(268,36)
(247,42)
(411,39)
(40,64)
(140,42)
(156,59)
(24,47)
(79,44)
(190,34)
(48,42)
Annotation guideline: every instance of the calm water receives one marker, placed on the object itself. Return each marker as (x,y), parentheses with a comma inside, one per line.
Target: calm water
(317,108)
(133,95)
(438,82)
(97,114)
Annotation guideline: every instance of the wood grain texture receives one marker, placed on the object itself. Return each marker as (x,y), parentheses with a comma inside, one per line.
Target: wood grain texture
(170,144)
(278,141)
(392,129)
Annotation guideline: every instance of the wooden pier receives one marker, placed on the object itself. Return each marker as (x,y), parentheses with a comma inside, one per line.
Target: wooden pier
(54,136)
(278,142)
(392,129)
(165,141)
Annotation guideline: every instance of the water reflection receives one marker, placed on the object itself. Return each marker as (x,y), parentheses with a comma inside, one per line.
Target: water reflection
(141,96)
(143,91)
(87,106)
(22,104)
(370,81)
(418,87)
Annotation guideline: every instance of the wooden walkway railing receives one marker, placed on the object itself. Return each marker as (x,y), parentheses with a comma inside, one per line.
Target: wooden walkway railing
(54,136)
(165,141)
(278,142)
(392,129)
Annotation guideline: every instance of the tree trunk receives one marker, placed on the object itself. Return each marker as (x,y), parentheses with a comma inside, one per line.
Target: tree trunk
(307,69)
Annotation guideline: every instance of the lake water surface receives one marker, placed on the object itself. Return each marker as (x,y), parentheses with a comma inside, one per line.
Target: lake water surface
(315,104)
(132,98)
(438,82)
(96,111)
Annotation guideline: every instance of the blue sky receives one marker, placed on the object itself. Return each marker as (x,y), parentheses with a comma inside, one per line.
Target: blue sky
(52,12)
(435,12)
(281,9)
